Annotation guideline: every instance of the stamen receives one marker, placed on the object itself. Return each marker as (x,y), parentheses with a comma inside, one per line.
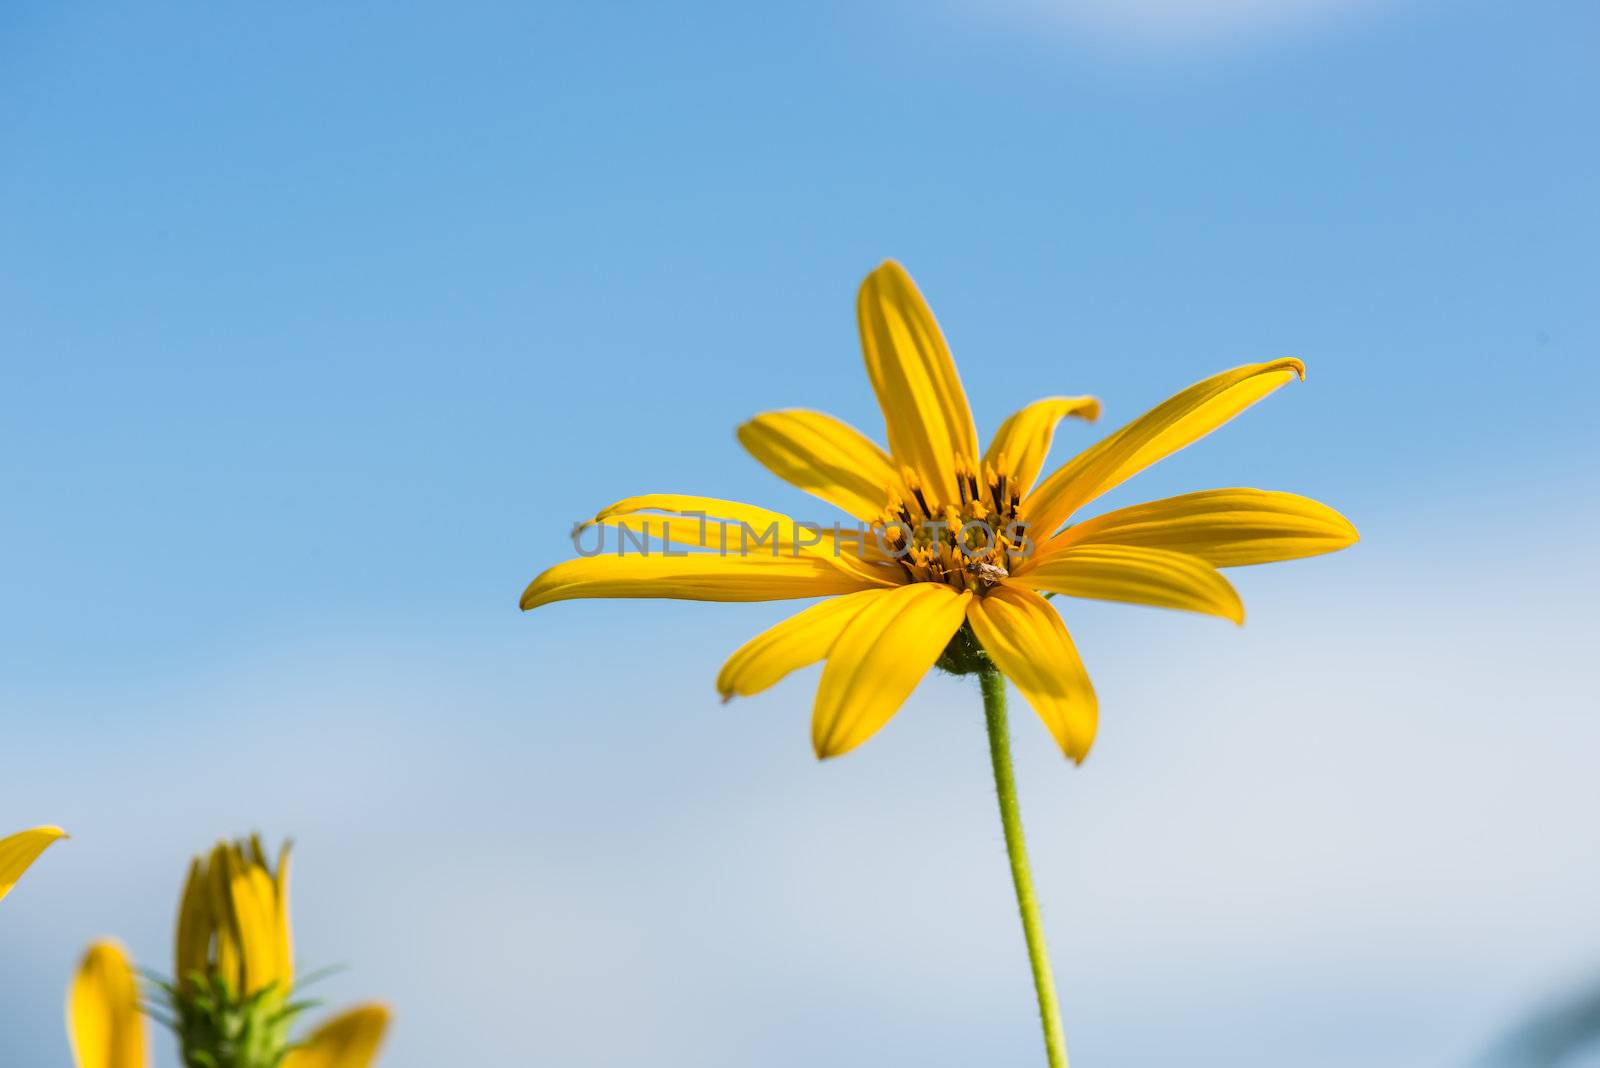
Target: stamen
(917,492)
(930,536)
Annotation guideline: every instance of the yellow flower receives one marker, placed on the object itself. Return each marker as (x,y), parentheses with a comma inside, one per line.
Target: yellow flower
(960,545)
(19,850)
(233,921)
(233,955)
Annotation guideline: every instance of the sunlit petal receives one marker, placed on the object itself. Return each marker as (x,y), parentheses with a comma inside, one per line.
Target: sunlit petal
(655,522)
(1179,421)
(1224,527)
(1020,446)
(1030,645)
(823,456)
(1135,575)
(695,577)
(878,659)
(924,407)
(797,642)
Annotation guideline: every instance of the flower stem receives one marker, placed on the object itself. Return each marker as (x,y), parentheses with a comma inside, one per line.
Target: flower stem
(1005,784)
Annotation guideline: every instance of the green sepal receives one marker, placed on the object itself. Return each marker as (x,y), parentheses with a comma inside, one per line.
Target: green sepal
(963,655)
(216,1028)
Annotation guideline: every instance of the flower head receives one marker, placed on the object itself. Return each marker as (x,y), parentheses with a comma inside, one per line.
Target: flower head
(233,920)
(229,1002)
(954,549)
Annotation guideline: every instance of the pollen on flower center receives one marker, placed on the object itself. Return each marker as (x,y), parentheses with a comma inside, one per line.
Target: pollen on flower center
(970,543)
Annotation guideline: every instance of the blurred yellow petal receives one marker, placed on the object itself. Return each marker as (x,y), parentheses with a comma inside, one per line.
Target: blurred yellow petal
(228,958)
(1030,645)
(924,407)
(1224,527)
(233,920)
(696,577)
(797,642)
(1135,575)
(823,456)
(255,912)
(18,851)
(259,919)
(349,1040)
(1020,446)
(1179,421)
(285,933)
(878,659)
(104,1023)
(191,941)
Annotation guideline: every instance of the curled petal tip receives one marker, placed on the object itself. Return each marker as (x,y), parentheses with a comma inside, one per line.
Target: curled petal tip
(19,851)
(828,748)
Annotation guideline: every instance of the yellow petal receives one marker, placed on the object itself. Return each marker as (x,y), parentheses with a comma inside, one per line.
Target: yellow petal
(1224,527)
(879,658)
(285,931)
(193,936)
(349,1040)
(823,456)
(1179,421)
(653,522)
(706,522)
(797,642)
(18,851)
(104,1023)
(695,577)
(255,909)
(1030,645)
(1135,575)
(1023,441)
(228,960)
(924,407)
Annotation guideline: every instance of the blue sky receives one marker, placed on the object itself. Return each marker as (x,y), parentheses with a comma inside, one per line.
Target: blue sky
(322,324)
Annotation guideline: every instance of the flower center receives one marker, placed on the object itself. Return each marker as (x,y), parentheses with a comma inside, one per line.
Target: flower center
(970,543)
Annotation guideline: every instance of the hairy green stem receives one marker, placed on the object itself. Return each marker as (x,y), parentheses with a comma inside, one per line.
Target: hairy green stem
(1005,784)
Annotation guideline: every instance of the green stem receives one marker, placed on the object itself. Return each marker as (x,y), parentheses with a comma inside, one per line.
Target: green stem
(1005,784)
